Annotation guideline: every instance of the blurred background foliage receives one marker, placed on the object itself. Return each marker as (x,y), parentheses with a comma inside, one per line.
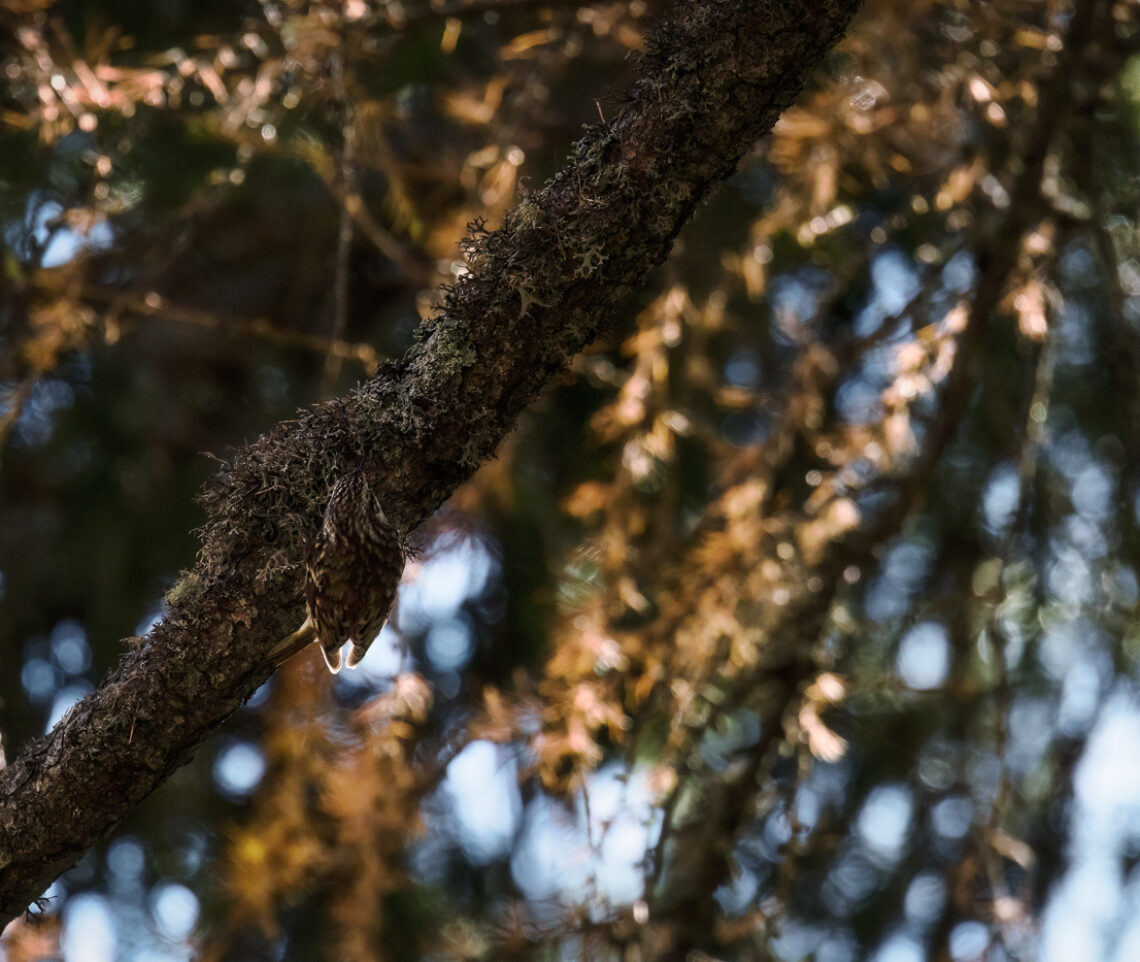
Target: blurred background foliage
(800,622)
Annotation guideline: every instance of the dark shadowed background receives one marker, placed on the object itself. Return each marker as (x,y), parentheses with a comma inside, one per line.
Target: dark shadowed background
(800,623)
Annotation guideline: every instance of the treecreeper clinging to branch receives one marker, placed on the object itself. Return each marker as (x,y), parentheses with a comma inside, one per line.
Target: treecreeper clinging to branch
(351,574)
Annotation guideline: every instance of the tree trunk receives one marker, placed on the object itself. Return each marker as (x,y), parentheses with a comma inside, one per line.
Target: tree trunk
(714,79)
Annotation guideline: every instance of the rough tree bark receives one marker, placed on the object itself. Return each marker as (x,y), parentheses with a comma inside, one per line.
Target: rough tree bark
(714,79)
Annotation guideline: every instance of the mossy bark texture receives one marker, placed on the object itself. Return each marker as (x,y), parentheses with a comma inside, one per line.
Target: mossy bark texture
(713,80)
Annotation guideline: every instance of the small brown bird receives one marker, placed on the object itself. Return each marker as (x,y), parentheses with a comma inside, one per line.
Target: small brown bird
(352,573)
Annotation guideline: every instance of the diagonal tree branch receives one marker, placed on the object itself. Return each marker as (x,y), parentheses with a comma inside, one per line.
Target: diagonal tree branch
(547,283)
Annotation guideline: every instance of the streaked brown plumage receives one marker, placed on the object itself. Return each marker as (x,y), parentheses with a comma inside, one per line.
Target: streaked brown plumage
(353,571)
